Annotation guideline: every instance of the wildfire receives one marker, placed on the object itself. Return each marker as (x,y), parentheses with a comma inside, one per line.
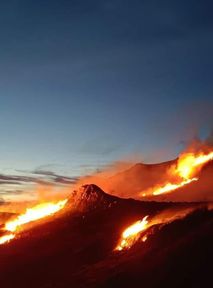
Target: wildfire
(189,164)
(6,238)
(32,214)
(170,187)
(132,233)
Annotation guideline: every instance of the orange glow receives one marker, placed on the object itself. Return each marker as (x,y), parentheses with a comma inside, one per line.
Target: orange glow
(138,230)
(171,187)
(6,238)
(32,214)
(188,166)
(132,233)
(35,213)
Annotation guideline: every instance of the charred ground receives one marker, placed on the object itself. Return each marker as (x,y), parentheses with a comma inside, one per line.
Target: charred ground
(75,249)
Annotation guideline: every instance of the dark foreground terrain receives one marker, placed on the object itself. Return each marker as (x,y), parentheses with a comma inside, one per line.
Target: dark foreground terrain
(76,248)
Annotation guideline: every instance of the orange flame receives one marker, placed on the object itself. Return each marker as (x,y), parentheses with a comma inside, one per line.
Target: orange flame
(171,187)
(132,233)
(6,238)
(189,164)
(32,214)
(35,213)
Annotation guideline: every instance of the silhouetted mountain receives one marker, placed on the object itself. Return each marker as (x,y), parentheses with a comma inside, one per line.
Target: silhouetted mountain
(76,248)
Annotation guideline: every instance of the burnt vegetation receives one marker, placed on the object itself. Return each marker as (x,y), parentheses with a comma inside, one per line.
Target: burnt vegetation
(76,248)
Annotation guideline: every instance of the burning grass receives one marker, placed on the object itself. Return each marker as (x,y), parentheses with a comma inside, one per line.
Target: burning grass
(132,233)
(30,215)
(185,172)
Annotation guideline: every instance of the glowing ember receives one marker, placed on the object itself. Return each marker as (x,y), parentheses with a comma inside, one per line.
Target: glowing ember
(144,238)
(35,213)
(187,167)
(132,233)
(6,238)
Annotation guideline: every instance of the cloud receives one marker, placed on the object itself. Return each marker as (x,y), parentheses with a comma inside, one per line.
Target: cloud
(44,178)
(15,179)
(19,180)
(43,183)
(14,192)
(56,178)
(9,182)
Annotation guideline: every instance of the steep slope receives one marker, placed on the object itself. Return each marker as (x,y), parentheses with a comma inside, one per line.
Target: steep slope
(200,190)
(76,248)
(137,178)
(140,177)
(91,197)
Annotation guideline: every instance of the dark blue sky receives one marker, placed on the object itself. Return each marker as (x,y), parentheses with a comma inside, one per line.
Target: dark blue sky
(83,83)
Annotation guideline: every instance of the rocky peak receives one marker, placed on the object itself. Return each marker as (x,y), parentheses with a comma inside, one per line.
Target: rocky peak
(90,197)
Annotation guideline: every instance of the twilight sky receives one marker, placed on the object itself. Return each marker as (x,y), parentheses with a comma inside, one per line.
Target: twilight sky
(84,83)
